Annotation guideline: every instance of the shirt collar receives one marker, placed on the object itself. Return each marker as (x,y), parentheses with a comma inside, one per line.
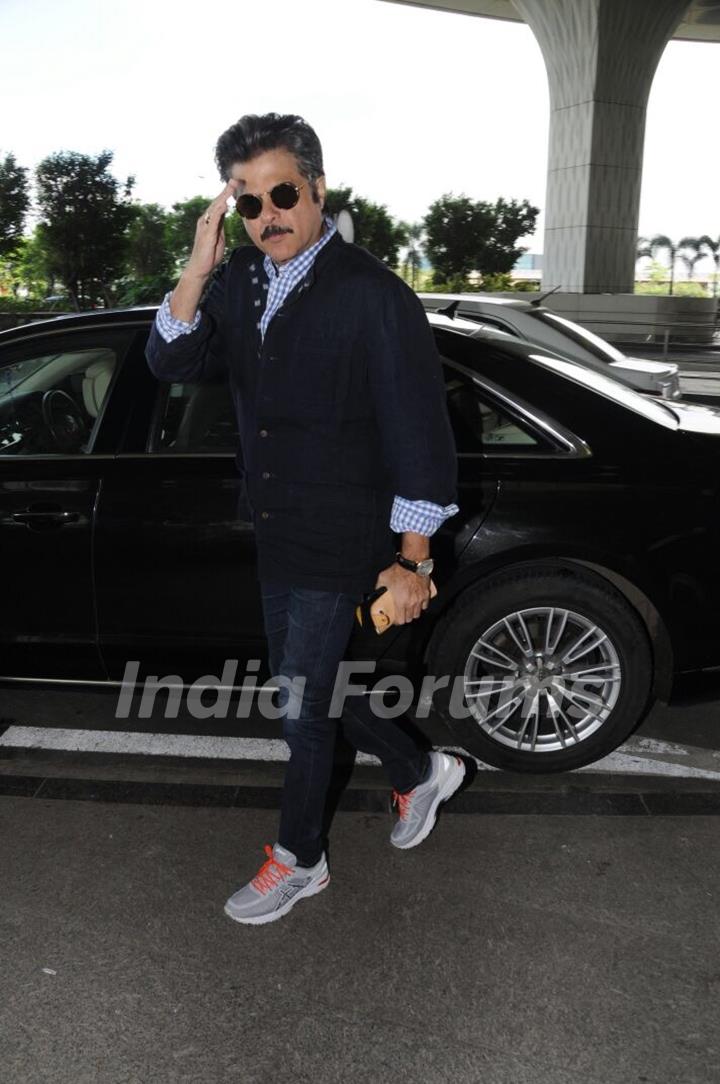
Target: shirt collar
(304,260)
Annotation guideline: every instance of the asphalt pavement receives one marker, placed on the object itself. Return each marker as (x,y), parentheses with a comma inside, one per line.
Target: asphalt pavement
(552,929)
(507,949)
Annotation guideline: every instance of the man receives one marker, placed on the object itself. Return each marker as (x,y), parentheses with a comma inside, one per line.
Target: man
(344,439)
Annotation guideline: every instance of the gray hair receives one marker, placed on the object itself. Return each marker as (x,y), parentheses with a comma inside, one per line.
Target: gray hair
(253,135)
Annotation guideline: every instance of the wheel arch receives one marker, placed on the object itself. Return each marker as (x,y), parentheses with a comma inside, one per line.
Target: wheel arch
(656,628)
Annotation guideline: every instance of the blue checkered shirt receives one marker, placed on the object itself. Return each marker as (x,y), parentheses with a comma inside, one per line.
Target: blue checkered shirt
(422,517)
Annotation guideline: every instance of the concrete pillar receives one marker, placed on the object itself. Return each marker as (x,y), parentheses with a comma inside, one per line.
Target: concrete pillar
(601,57)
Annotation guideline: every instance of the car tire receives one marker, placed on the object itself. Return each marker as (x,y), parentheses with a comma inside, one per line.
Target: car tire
(602,691)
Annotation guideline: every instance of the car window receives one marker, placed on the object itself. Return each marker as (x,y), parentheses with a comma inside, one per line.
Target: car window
(52,394)
(480,424)
(199,418)
(195,418)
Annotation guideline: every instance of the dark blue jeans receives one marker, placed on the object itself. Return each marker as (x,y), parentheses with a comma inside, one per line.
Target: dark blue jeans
(308,632)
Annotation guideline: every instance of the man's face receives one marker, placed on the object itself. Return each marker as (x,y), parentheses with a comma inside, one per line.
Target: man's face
(281,234)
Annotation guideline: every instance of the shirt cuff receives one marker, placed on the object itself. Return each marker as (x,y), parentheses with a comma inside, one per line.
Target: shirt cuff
(422,517)
(169,326)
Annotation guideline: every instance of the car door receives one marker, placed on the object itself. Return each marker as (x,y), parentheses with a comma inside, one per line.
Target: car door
(477,488)
(175,558)
(54,386)
(543,471)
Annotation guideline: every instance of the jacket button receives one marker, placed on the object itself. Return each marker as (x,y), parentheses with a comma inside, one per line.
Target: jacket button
(263,432)
(265,515)
(266,474)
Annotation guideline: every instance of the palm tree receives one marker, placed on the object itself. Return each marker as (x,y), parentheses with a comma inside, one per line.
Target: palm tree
(690,261)
(413,256)
(712,249)
(693,245)
(660,241)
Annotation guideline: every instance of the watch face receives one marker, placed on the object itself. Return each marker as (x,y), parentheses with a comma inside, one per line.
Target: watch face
(425,567)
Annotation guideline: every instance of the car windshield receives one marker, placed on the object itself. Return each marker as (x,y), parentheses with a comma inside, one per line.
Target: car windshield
(11,376)
(580,335)
(653,409)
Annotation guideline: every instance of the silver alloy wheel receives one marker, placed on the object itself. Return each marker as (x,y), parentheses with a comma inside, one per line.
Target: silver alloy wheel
(542,679)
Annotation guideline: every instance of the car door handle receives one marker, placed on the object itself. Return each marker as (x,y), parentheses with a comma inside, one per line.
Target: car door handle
(37,518)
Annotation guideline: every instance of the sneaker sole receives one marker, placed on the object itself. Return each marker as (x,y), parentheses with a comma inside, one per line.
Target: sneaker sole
(273,916)
(451,785)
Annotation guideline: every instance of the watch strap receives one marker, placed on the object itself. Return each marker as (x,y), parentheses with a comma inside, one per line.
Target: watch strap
(406,562)
(421,568)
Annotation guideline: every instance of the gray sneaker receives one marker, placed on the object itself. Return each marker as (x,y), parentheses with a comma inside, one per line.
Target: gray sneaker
(276,887)
(417,810)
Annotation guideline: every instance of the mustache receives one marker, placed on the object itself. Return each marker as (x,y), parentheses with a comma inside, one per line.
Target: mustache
(273,231)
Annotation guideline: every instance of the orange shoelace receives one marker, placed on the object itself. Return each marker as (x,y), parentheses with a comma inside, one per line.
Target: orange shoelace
(271,873)
(402,801)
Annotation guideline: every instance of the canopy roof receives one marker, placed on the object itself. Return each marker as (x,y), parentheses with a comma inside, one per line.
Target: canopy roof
(701,21)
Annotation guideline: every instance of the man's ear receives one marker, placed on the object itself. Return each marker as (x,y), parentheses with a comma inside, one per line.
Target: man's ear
(321,189)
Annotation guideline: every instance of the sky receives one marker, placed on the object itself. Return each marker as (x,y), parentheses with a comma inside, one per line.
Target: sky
(409,104)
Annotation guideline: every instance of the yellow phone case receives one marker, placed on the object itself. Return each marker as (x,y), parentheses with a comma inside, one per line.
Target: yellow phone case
(381,608)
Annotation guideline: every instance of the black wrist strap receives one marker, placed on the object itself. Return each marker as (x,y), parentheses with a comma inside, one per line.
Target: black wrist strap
(405,562)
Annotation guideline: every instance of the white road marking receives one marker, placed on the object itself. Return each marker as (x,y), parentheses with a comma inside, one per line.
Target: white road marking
(652,745)
(623,760)
(177,745)
(629,765)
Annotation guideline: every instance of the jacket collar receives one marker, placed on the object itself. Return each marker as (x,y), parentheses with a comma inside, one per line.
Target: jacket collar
(325,258)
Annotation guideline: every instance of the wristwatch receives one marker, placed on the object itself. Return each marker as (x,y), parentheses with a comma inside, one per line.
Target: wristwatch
(423,568)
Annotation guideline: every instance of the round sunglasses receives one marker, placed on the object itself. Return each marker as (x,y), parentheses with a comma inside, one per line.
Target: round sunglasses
(283,196)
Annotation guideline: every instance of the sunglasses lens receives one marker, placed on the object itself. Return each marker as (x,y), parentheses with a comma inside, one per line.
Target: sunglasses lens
(284,195)
(248,206)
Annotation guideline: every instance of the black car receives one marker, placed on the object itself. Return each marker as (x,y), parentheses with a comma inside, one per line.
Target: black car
(577,582)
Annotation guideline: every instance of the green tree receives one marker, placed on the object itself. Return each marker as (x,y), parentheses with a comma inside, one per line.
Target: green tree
(375,229)
(26,269)
(464,235)
(452,225)
(511,220)
(181,226)
(85,213)
(14,203)
(149,265)
(146,253)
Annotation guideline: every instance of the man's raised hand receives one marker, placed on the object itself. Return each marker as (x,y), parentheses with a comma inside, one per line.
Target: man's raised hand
(209,244)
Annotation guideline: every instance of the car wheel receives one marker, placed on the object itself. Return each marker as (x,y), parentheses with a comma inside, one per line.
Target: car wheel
(549,670)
